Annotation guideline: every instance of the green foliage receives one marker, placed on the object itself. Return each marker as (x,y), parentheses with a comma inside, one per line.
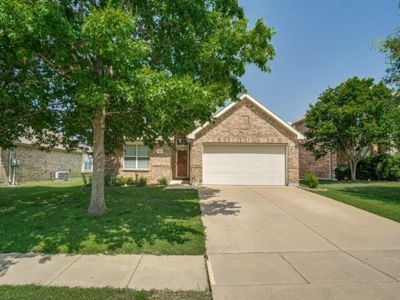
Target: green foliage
(124,180)
(37,292)
(381,198)
(141,181)
(311,180)
(148,220)
(342,173)
(110,179)
(128,180)
(350,118)
(74,71)
(87,179)
(391,48)
(163,181)
(156,69)
(379,167)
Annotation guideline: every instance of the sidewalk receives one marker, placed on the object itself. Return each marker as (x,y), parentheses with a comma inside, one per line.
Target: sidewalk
(139,272)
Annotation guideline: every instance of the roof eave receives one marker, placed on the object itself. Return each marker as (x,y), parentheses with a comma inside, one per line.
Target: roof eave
(299,136)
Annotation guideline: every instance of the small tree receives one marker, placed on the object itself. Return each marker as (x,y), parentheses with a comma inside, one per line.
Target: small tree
(84,72)
(350,118)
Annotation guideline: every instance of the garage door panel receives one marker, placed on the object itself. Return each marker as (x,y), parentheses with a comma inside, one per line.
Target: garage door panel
(244,164)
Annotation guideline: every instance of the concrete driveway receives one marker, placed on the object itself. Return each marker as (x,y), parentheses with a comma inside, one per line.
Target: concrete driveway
(286,243)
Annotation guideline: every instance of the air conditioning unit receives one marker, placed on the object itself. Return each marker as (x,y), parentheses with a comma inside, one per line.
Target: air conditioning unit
(61,175)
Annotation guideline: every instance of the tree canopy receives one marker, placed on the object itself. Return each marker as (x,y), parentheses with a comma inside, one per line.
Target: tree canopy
(97,72)
(391,47)
(350,118)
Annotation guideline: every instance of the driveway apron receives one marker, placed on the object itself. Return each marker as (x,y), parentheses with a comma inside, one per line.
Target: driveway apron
(287,243)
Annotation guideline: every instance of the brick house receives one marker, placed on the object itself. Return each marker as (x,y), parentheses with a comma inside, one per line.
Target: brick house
(35,164)
(324,167)
(245,144)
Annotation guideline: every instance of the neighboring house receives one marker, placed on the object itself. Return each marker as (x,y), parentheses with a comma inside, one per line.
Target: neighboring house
(324,167)
(244,144)
(35,164)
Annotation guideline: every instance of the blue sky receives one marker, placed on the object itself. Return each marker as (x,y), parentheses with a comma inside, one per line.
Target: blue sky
(319,43)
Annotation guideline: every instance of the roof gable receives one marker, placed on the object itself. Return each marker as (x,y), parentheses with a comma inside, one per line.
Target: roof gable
(299,136)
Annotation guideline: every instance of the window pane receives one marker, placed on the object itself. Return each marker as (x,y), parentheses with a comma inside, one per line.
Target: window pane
(143,150)
(88,165)
(130,150)
(143,163)
(130,163)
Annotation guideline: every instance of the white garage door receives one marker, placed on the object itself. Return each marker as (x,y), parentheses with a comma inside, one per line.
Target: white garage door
(244,164)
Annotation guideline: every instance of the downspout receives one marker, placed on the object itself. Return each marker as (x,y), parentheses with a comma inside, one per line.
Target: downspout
(330,165)
(9,165)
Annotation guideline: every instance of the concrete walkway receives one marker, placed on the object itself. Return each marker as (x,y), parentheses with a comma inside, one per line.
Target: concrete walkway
(140,272)
(286,243)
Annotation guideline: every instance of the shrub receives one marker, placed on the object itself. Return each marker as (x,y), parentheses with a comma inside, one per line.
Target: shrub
(129,181)
(382,166)
(110,178)
(395,168)
(342,173)
(87,179)
(122,180)
(162,181)
(141,181)
(311,180)
(366,169)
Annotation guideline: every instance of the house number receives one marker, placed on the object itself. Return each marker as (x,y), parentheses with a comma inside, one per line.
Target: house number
(160,151)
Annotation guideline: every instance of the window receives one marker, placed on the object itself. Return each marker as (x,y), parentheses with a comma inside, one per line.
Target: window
(87,163)
(136,157)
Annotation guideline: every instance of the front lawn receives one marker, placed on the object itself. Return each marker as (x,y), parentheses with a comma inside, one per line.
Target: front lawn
(51,217)
(381,198)
(35,292)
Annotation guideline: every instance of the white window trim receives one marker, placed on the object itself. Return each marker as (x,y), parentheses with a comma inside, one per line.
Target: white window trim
(86,157)
(136,157)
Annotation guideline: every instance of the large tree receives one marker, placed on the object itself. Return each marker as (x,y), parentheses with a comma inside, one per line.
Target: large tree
(350,118)
(97,72)
(391,48)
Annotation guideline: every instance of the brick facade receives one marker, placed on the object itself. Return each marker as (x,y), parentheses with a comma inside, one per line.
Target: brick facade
(160,165)
(245,123)
(324,167)
(39,165)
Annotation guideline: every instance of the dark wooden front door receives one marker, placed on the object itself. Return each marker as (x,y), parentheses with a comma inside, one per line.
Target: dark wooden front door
(182,163)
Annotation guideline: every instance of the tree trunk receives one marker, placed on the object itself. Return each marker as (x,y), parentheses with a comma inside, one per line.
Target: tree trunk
(97,203)
(353,169)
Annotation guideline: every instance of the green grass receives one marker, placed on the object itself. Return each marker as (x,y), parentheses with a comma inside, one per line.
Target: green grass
(35,292)
(381,198)
(51,217)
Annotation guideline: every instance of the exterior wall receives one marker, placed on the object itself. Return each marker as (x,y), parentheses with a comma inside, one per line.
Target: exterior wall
(40,165)
(159,165)
(3,159)
(245,123)
(323,167)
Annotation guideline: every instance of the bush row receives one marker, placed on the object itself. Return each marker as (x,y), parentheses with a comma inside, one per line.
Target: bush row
(378,167)
(117,180)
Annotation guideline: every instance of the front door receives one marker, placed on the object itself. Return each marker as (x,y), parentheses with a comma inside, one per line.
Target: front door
(182,163)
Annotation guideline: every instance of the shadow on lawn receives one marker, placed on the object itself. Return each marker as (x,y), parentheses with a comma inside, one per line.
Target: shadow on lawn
(386,194)
(53,219)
